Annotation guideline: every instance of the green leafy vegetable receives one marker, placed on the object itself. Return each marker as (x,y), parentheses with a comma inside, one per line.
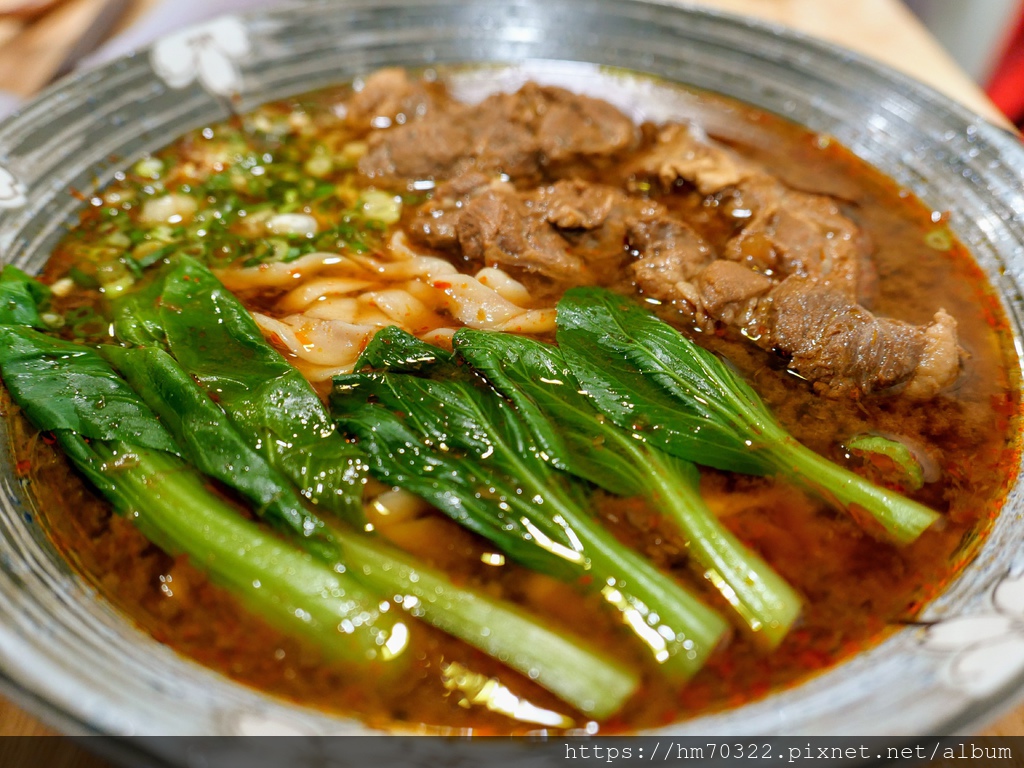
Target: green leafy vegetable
(126,453)
(577,438)
(63,385)
(646,376)
(335,597)
(393,349)
(457,443)
(209,442)
(137,315)
(215,340)
(896,452)
(20,296)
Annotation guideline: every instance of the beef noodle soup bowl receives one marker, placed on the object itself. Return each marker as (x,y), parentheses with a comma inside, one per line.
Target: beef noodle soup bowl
(518,398)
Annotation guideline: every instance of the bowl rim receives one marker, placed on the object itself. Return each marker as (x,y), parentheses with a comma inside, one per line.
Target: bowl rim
(1002,139)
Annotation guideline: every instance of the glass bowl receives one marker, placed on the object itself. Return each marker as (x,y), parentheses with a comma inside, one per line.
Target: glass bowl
(72,659)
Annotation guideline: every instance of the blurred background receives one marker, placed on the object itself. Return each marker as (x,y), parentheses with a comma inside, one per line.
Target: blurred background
(986,38)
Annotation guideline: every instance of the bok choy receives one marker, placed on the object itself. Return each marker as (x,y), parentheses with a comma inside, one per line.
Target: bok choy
(433,427)
(20,296)
(557,661)
(647,377)
(208,441)
(577,438)
(124,450)
(338,596)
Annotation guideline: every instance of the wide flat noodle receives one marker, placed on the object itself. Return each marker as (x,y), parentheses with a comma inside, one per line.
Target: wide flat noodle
(333,304)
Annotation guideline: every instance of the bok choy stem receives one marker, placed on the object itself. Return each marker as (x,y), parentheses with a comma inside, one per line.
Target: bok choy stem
(171,506)
(591,681)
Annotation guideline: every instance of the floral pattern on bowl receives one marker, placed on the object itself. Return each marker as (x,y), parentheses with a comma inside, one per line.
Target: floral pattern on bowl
(12,191)
(209,53)
(982,652)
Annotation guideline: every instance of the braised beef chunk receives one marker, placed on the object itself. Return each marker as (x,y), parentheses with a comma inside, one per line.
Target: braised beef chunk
(387,97)
(683,153)
(496,228)
(435,223)
(435,227)
(789,269)
(577,204)
(449,142)
(843,347)
(592,217)
(519,134)
(572,229)
(490,223)
(827,338)
(671,255)
(728,293)
(780,231)
(602,221)
(431,148)
(500,145)
(569,126)
(830,340)
(796,233)
(836,343)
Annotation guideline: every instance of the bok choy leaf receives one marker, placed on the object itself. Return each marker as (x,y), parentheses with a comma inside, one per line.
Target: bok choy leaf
(209,442)
(215,341)
(20,297)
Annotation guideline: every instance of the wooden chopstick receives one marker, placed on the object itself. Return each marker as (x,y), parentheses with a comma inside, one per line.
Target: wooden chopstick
(47,47)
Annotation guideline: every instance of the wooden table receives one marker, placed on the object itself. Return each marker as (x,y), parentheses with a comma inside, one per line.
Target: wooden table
(882,29)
